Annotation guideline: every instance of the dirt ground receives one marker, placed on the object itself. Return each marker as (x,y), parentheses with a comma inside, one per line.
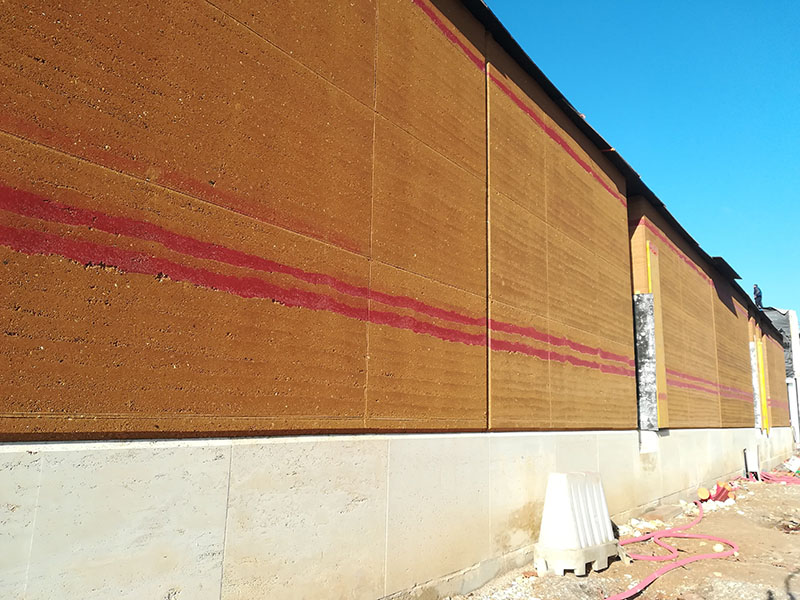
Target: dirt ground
(767,567)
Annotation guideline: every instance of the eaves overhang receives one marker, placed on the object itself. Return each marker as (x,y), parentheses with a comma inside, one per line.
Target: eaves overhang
(633,182)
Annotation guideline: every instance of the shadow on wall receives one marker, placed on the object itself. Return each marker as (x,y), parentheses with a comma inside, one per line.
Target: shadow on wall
(461,18)
(725,294)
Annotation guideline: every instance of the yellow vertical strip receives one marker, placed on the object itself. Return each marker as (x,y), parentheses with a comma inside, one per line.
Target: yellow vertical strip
(712,294)
(654,284)
(762,384)
(650,291)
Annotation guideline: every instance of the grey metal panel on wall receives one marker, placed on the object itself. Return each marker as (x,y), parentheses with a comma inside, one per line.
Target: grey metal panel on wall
(645,344)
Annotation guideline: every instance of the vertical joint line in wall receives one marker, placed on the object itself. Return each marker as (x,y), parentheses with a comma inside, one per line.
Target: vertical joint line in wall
(225,523)
(375,65)
(716,356)
(648,253)
(488,233)
(386,519)
(42,460)
(369,277)
(371,216)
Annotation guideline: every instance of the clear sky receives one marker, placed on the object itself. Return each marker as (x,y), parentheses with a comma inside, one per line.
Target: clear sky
(703,100)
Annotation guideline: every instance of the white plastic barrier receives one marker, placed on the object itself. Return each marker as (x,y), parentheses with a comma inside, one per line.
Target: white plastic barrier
(576,527)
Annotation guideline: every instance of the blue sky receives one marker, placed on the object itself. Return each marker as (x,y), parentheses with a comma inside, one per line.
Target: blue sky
(703,100)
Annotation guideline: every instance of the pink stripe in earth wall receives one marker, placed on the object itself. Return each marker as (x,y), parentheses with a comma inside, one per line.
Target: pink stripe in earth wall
(738,399)
(431,13)
(31,205)
(708,382)
(691,386)
(553,134)
(34,242)
(496,344)
(532,333)
(449,34)
(121,161)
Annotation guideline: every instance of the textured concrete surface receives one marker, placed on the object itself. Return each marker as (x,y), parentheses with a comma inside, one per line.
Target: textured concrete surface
(517,488)
(128,521)
(439,507)
(323,517)
(306,519)
(20,483)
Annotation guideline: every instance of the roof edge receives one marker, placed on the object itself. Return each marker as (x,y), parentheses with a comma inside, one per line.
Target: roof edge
(633,181)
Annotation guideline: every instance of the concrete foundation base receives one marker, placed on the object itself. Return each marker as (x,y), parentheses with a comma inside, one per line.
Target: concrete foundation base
(403,516)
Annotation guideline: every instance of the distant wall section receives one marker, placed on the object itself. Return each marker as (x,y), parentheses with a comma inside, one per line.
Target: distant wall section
(703,330)
(777,392)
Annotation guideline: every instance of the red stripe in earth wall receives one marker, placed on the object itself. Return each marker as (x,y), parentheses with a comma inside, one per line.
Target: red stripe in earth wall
(30,205)
(165,178)
(431,13)
(33,242)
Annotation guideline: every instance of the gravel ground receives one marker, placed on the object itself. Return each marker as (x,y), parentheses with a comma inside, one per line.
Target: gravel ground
(764,521)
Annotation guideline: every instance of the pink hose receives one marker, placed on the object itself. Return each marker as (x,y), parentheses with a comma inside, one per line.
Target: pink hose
(775,478)
(673,532)
(677,532)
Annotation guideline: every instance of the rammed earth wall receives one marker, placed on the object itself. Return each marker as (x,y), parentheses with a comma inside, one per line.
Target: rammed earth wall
(350,217)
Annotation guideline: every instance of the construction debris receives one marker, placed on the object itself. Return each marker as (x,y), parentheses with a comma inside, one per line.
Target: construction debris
(792,465)
(762,521)
(789,526)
